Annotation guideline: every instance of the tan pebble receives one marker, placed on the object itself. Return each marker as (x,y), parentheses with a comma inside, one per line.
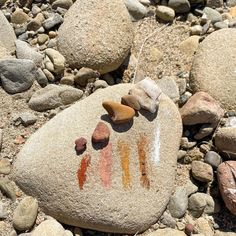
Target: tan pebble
(131,101)
(119,113)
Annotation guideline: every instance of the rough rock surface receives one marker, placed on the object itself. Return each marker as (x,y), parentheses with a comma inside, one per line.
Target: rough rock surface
(7,34)
(103,189)
(167,232)
(213,69)
(96,34)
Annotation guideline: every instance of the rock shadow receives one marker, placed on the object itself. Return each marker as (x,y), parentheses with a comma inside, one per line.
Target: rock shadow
(148,115)
(99,146)
(120,128)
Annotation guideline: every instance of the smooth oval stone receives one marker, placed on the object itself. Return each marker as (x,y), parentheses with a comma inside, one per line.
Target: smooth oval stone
(124,187)
(213,68)
(96,34)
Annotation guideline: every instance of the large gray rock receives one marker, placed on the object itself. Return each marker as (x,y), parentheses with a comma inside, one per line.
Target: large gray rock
(96,34)
(100,198)
(7,34)
(213,69)
(17,75)
(53,96)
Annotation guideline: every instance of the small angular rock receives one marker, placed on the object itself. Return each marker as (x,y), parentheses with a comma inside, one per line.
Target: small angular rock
(101,133)
(147,93)
(80,145)
(119,113)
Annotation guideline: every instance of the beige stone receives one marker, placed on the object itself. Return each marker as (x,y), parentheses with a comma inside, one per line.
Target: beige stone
(110,199)
(220,233)
(19,17)
(88,23)
(213,69)
(189,45)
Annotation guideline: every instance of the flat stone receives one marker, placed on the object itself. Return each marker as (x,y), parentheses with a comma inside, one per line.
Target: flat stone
(202,171)
(50,227)
(25,51)
(99,84)
(214,58)
(178,202)
(227,184)
(136,9)
(225,139)
(17,75)
(94,190)
(53,96)
(25,214)
(5,166)
(214,3)
(93,21)
(7,35)
(26,118)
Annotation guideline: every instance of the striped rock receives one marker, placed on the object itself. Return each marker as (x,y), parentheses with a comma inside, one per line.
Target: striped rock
(122,187)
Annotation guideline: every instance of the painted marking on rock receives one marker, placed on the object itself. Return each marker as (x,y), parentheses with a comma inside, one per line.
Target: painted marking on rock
(124,151)
(105,165)
(155,156)
(142,144)
(81,173)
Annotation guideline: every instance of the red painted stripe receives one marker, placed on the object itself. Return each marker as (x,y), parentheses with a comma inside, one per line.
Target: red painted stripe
(81,173)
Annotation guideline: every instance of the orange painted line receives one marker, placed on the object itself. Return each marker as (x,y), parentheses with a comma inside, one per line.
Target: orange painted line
(81,173)
(124,151)
(142,144)
(105,165)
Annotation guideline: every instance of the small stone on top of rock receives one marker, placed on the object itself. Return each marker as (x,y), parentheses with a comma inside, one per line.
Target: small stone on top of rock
(101,133)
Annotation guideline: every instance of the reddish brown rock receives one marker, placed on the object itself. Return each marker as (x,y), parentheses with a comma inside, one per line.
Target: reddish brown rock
(201,108)
(188,229)
(80,145)
(119,113)
(227,183)
(131,101)
(101,133)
